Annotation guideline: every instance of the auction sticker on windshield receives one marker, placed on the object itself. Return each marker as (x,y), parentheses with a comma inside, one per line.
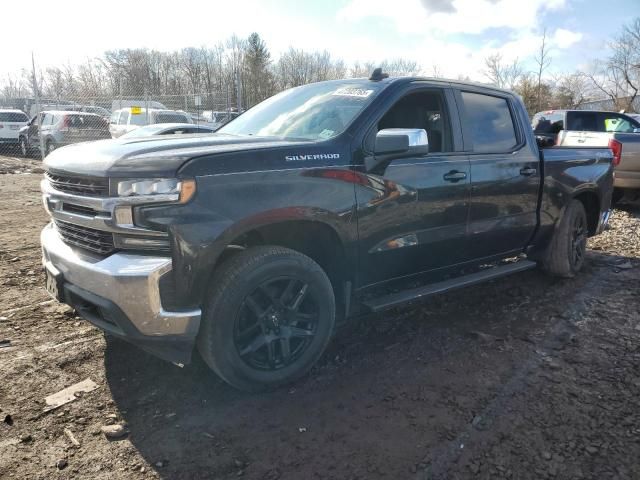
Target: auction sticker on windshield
(353,92)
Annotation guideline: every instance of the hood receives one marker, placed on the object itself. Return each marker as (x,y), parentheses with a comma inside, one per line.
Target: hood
(157,156)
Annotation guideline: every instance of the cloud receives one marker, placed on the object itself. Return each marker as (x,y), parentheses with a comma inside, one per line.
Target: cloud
(565,38)
(452,16)
(444,6)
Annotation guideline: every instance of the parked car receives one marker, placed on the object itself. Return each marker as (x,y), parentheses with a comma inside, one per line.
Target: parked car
(127,119)
(219,119)
(11,121)
(618,131)
(60,128)
(167,129)
(323,202)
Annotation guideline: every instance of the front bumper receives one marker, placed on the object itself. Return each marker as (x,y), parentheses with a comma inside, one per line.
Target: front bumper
(121,295)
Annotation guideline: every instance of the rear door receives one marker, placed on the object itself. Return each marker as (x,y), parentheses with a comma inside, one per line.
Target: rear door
(412,214)
(505,173)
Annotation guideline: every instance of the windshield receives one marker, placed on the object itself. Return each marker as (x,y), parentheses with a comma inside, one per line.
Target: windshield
(171,117)
(316,112)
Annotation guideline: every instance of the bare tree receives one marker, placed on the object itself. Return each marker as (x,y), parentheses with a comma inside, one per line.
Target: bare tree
(500,73)
(618,77)
(542,60)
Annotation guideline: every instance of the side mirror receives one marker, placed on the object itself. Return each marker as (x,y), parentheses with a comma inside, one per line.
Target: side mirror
(636,130)
(396,143)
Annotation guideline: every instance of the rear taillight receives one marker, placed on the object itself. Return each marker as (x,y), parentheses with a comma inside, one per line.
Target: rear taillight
(66,121)
(1,126)
(616,149)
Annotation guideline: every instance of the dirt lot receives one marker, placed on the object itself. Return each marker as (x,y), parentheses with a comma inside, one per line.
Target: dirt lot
(525,377)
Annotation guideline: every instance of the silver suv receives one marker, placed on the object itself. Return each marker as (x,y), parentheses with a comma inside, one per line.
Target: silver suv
(59,128)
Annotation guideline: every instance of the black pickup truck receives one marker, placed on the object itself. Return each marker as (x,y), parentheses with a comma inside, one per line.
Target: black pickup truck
(321,203)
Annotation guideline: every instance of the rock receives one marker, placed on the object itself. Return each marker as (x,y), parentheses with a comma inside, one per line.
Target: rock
(6,418)
(114,431)
(162,463)
(26,438)
(546,455)
(591,450)
(62,463)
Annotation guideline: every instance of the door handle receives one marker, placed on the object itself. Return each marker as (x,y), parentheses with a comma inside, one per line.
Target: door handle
(454,176)
(528,171)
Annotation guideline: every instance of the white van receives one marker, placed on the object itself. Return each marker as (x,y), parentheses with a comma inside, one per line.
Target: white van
(127,119)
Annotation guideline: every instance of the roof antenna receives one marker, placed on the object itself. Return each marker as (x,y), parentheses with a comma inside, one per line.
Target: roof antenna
(377,75)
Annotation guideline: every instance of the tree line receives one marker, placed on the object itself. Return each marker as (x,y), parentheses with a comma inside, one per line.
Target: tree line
(245,68)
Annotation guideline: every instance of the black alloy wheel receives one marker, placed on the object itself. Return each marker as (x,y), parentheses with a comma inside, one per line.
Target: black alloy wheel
(276,324)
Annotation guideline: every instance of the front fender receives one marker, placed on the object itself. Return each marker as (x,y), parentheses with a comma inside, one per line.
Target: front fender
(226,207)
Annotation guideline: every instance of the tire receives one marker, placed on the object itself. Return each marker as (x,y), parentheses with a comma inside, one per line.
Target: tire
(566,253)
(267,319)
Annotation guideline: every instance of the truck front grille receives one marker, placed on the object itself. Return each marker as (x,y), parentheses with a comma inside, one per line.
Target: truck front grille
(85,186)
(96,241)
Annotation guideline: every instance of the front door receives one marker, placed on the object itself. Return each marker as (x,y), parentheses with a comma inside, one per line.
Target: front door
(412,216)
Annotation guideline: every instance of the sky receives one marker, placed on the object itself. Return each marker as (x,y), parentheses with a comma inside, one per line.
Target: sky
(454,36)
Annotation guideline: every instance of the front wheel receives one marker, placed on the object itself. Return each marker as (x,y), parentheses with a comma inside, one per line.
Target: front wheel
(268,318)
(568,246)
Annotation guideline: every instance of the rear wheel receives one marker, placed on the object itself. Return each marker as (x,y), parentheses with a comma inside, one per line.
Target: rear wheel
(268,318)
(567,250)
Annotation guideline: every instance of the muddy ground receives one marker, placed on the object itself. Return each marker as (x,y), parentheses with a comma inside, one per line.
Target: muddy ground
(526,377)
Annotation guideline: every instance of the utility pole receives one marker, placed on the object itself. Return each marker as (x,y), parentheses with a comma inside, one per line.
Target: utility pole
(36,92)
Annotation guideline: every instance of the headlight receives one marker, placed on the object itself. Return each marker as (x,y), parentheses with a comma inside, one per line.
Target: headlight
(159,186)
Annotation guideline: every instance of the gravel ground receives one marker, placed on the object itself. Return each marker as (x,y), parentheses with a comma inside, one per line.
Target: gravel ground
(525,377)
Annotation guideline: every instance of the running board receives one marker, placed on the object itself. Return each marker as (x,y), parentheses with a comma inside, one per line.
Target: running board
(419,293)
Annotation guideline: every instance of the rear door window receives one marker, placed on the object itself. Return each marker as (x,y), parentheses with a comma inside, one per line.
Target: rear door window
(490,122)
(583,122)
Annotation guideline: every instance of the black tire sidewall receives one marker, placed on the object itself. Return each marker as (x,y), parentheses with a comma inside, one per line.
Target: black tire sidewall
(221,311)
